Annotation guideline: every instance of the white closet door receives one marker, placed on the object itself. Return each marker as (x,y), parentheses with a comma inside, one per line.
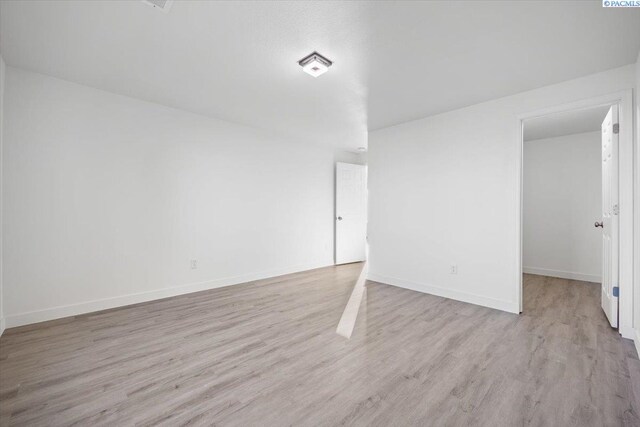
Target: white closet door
(351,213)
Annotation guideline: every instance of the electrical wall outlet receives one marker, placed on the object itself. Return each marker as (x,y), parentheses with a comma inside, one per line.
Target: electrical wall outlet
(453,269)
(194,264)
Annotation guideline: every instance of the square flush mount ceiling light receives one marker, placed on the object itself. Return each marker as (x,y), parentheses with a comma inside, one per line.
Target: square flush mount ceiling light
(315,64)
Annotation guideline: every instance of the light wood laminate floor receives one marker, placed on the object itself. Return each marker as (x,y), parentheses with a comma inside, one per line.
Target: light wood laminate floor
(267,354)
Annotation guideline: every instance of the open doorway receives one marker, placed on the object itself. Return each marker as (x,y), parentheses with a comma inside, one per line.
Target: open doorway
(623,128)
(569,211)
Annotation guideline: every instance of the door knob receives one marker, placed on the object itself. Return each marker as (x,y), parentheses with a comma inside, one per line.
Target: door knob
(339,218)
(599,224)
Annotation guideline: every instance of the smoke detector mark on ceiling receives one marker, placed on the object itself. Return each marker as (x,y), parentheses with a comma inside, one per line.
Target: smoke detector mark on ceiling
(163,5)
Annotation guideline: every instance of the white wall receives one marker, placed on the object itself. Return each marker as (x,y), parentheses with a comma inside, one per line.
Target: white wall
(107,199)
(2,75)
(444,190)
(636,276)
(351,157)
(562,188)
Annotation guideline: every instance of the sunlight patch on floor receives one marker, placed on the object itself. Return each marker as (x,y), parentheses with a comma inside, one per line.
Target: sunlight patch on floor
(350,313)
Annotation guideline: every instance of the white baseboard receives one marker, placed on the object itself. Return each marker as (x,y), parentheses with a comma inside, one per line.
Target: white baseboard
(509,306)
(59,312)
(636,341)
(2,326)
(562,274)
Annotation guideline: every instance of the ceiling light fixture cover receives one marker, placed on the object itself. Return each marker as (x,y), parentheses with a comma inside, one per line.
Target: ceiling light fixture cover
(315,64)
(163,5)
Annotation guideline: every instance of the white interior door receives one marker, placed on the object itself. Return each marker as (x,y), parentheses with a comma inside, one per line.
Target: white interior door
(609,223)
(351,213)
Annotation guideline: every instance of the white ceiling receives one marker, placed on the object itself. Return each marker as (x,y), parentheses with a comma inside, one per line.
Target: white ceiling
(393,61)
(567,123)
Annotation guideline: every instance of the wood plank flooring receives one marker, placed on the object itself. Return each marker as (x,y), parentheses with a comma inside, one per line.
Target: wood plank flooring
(267,354)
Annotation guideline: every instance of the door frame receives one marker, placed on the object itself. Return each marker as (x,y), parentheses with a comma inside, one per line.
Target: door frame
(624,100)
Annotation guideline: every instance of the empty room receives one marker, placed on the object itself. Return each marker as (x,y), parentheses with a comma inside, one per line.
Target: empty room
(563,230)
(318,213)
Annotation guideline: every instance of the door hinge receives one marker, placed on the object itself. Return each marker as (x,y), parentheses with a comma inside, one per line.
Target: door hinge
(616,209)
(616,128)
(616,291)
